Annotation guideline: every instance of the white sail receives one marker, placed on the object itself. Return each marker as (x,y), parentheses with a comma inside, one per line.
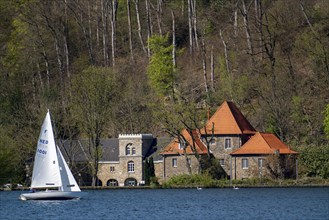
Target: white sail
(68,180)
(46,169)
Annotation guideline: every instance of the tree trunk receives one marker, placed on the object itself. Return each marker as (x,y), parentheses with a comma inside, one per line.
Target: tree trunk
(104,9)
(225,53)
(247,30)
(196,38)
(159,15)
(204,66)
(190,24)
(129,30)
(139,25)
(149,27)
(173,40)
(212,69)
(113,28)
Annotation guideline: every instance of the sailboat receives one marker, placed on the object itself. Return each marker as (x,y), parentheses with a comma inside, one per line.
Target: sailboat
(50,171)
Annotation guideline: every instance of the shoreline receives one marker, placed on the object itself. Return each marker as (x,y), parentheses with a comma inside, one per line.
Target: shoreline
(185,187)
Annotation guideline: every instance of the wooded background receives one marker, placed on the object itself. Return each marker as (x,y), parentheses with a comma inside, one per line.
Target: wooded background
(105,67)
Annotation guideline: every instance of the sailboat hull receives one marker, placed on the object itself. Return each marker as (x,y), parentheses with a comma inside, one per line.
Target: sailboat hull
(50,195)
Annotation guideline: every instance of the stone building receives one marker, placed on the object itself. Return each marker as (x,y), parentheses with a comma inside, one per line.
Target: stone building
(121,163)
(127,166)
(232,140)
(241,150)
(264,155)
(177,161)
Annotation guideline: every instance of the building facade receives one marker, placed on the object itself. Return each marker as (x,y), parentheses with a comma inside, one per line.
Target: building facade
(128,169)
(227,134)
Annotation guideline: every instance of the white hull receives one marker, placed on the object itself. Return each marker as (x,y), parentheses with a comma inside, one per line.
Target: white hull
(50,195)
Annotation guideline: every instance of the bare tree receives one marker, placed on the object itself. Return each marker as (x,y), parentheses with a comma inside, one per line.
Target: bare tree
(173,39)
(139,25)
(104,9)
(159,15)
(129,30)
(244,12)
(113,19)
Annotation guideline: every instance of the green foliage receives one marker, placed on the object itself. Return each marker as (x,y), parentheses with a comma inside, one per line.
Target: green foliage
(10,163)
(149,172)
(94,92)
(314,161)
(211,167)
(189,180)
(160,70)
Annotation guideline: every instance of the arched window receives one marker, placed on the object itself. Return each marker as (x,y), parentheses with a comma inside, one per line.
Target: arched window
(131,166)
(133,151)
(128,148)
(112,182)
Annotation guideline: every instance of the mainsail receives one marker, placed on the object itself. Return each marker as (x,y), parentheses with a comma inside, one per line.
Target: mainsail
(46,169)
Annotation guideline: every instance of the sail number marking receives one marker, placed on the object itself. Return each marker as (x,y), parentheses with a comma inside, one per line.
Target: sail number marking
(44,152)
(43,141)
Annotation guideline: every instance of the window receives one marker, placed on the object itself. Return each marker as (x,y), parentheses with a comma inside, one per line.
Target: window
(212,141)
(131,166)
(260,163)
(112,169)
(133,151)
(221,162)
(127,150)
(244,163)
(174,162)
(112,182)
(227,143)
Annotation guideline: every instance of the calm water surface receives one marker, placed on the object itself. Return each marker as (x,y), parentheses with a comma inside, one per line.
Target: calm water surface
(253,203)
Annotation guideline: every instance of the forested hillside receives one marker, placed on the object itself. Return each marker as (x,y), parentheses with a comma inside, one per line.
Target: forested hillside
(105,67)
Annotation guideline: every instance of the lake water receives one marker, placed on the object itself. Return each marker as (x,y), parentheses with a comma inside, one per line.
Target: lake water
(244,203)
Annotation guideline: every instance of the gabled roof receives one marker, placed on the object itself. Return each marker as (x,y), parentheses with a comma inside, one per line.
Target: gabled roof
(228,120)
(263,143)
(173,147)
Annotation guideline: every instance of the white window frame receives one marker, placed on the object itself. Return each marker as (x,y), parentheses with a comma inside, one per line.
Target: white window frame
(174,162)
(229,145)
(131,166)
(245,163)
(222,162)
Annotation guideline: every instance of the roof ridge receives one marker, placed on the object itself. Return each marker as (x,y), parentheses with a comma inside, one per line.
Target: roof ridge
(261,134)
(235,119)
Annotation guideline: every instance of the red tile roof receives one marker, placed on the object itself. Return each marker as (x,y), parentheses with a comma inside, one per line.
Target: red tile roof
(173,147)
(263,143)
(228,120)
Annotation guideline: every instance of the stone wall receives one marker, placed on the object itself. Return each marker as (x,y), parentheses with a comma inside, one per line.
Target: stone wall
(181,168)
(253,170)
(119,171)
(220,152)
